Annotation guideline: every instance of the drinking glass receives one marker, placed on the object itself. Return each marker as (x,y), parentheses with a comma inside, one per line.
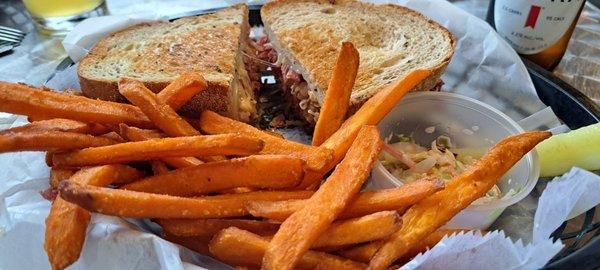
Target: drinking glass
(58,17)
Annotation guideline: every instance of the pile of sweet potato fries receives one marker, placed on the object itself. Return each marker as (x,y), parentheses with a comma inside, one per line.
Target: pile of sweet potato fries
(229,190)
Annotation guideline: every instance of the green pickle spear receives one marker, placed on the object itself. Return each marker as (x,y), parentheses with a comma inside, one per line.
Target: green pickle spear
(580,148)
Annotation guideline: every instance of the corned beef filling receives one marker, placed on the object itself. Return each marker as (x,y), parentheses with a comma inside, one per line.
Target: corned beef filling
(297,91)
(252,67)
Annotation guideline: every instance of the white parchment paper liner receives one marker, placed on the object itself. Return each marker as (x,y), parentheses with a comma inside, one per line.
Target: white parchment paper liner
(569,195)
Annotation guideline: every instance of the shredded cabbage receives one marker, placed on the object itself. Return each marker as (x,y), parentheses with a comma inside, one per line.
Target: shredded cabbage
(408,162)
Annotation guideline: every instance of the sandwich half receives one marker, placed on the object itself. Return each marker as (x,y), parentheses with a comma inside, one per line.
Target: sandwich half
(304,38)
(215,45)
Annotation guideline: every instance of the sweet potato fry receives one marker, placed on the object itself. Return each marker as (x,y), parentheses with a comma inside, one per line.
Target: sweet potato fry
(182,89)
(370,113)
(136,134)
(434,211)
(113,136)
(242,248)
(213,123)
(127,203)
(364,252)
(26,100)
(48,158)
(211,145)
(37,118)
(210,227)
(237,190)
(430,241)
(66,224)
(161,114)
(244,268)
(158,167)
(105,175)
(267,171)
(348,232)
(359,230)
(182,162)
(196,243)
(57,175)
(49,140)
(59,124)
(337,96)
(301,229)
(367,202)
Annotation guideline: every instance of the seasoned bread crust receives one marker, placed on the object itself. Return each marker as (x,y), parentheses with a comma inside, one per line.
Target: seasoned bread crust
(156,53)
(392,41)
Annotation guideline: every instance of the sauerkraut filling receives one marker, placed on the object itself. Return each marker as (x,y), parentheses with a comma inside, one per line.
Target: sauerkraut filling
(408,162)
(246,82)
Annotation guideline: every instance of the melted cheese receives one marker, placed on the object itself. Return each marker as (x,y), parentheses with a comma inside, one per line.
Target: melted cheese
(242,99)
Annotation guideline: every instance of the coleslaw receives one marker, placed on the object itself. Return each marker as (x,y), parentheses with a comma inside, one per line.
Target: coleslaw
(408,161)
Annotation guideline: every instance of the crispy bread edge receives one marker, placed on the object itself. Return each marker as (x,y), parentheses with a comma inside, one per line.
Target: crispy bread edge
(215,98)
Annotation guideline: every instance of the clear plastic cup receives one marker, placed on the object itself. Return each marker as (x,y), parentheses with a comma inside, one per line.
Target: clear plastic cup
(469,123)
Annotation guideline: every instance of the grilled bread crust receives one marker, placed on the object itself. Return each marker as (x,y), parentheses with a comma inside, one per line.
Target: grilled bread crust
(156,53)
(392,41)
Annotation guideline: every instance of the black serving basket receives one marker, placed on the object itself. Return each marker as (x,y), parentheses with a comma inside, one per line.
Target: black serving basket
(575,110)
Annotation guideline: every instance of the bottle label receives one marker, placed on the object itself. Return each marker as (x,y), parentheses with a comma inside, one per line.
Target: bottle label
(534,25)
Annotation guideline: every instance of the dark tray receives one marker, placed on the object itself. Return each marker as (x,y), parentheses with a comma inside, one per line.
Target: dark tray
(575,110)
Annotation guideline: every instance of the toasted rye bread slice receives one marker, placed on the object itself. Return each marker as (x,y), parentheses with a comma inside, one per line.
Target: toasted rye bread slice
(392,41)
(156,53)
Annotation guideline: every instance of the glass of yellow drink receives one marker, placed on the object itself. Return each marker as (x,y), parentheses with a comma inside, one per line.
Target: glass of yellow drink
(58,17)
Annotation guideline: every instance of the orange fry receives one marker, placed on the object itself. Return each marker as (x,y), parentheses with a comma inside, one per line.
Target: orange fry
(268,171)
(57,175)
(370,113)
(301,229)
(242,248)
(49,140)
(196,243)
(136,134)
(367,202)
(237,190)
(59,124)
(434,211)
(365,252)
(158,167)
(113,136)
(210,227)
(211,145)
(182,89)
(26,100)
(359,230)
(213,123)
(337,96)
(161,114)
(66,224)
(127,203)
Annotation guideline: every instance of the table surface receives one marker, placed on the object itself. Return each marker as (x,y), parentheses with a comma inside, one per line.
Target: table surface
(36,59)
